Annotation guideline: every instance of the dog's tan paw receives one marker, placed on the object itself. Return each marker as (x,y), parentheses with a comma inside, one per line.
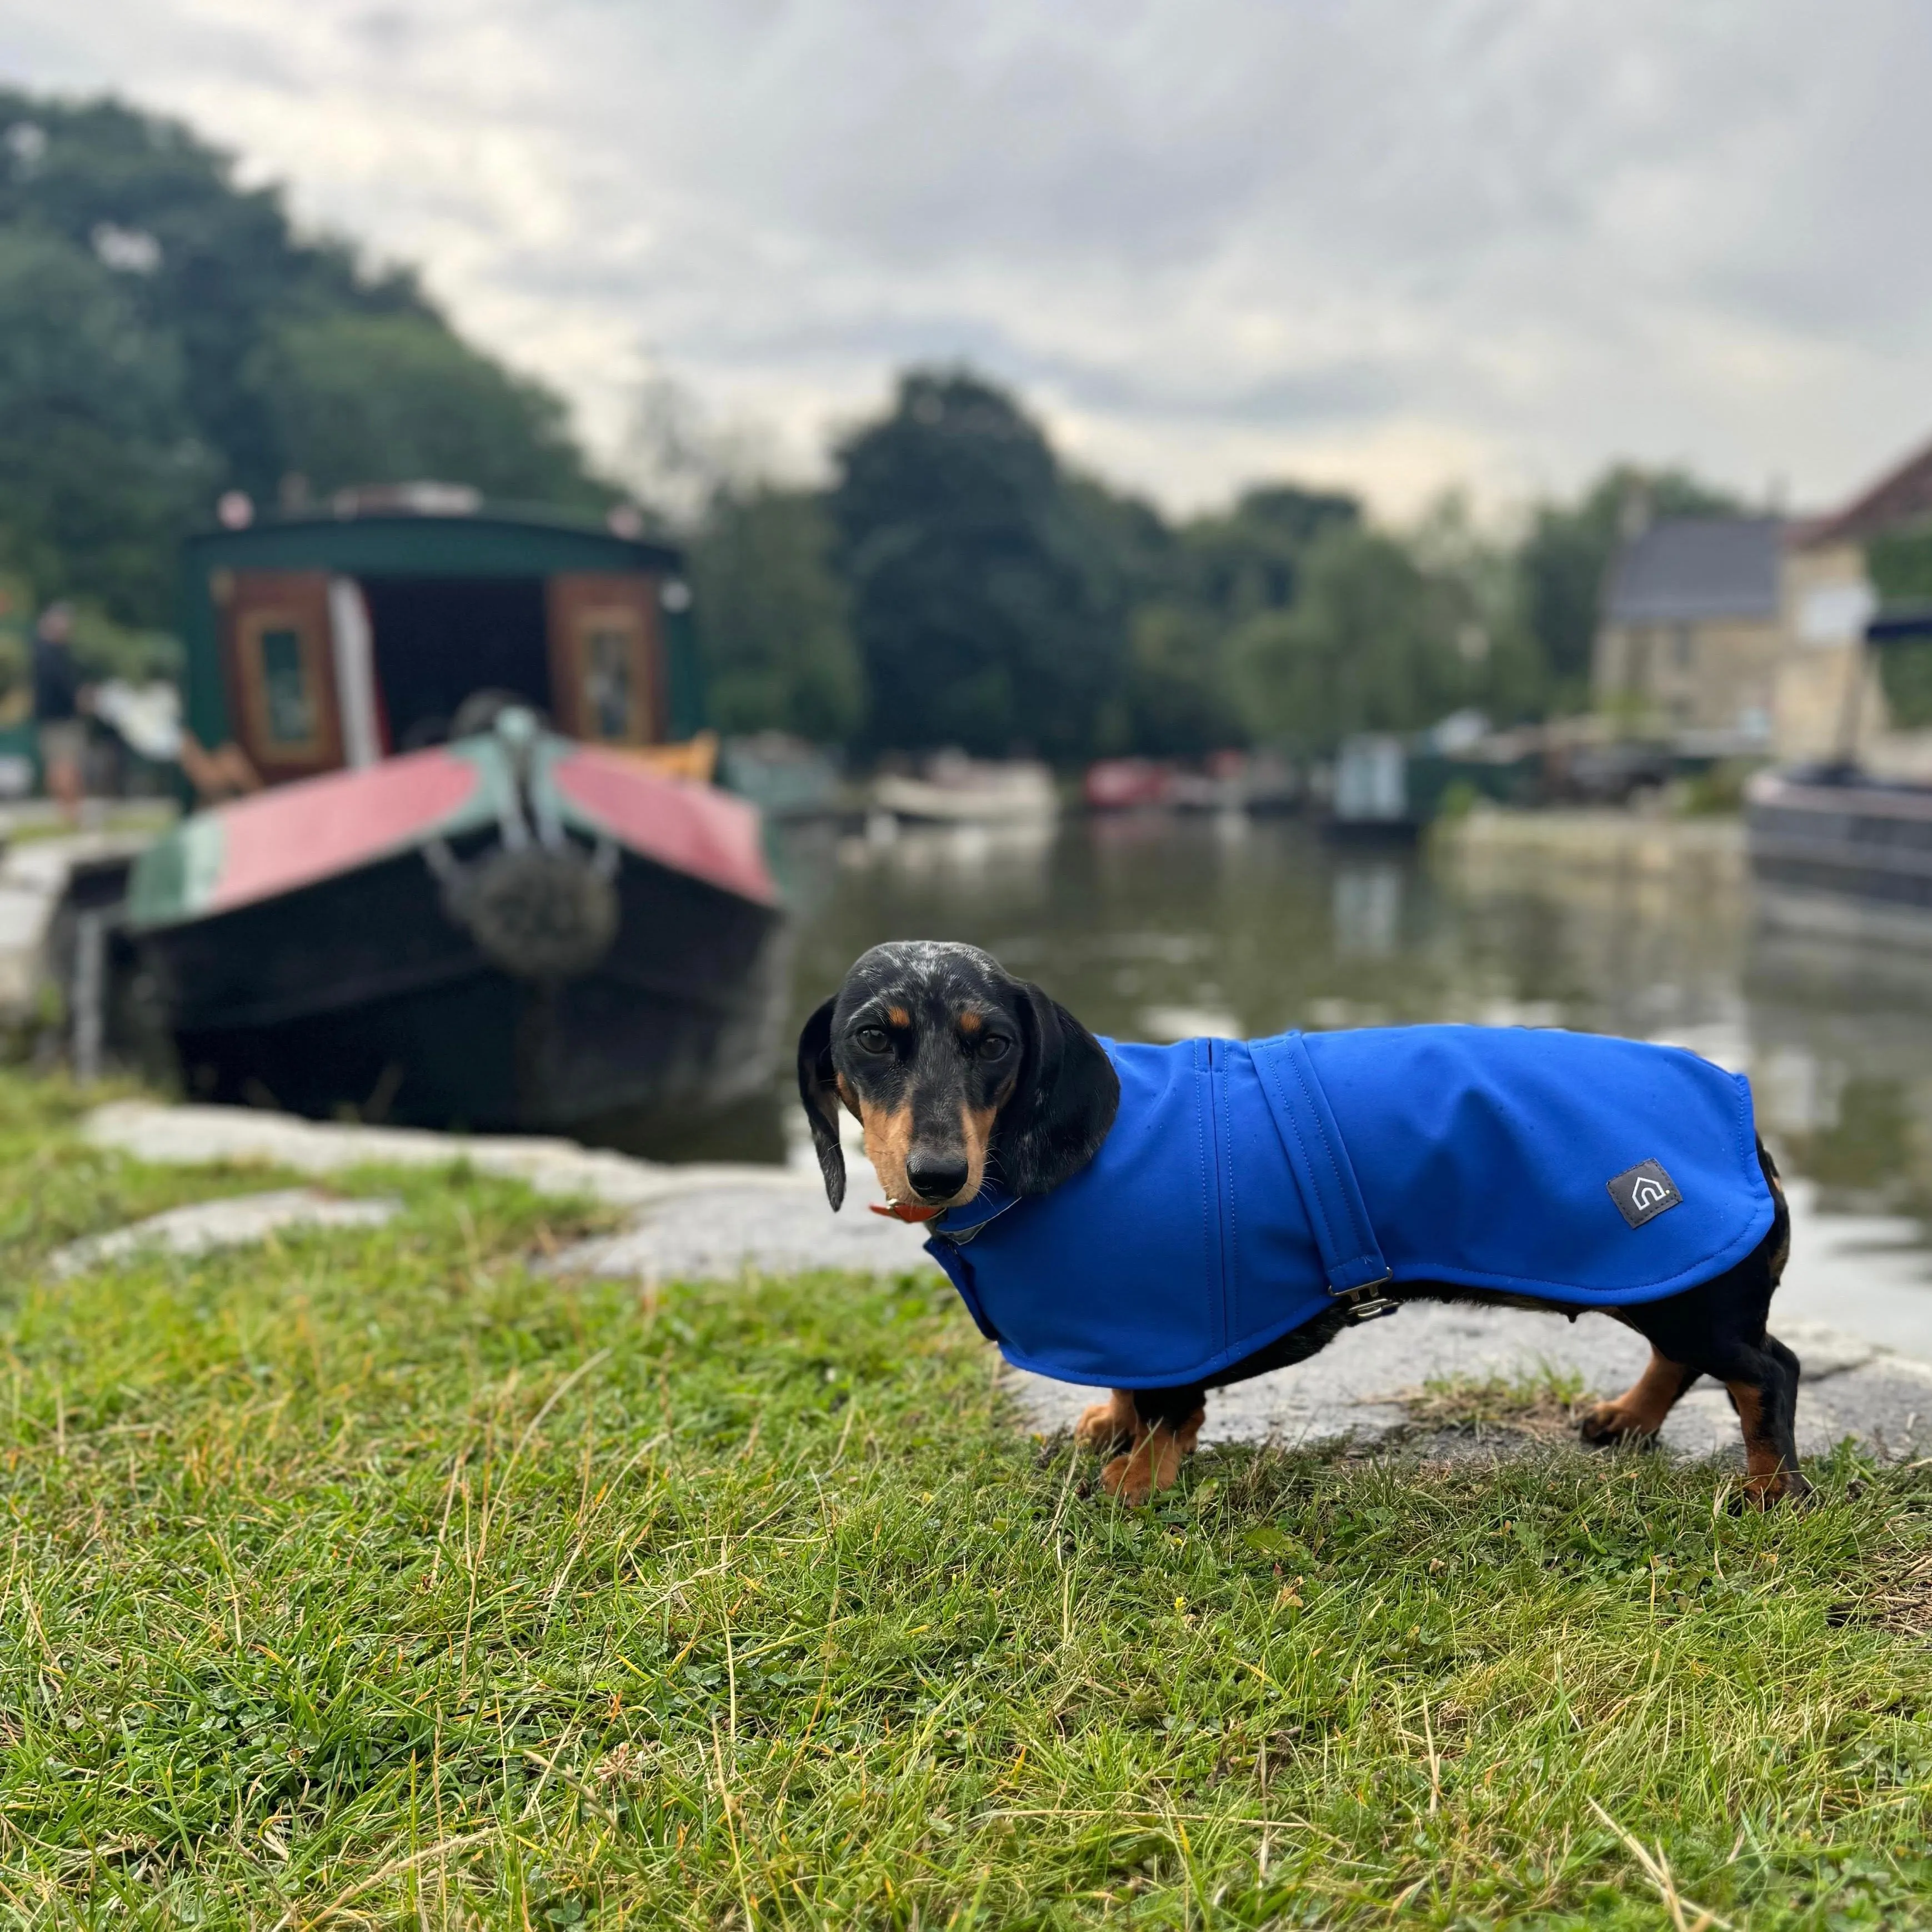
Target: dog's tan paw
(1126,1479)
(1611,1422)
(1767,1488)
(1101,1425)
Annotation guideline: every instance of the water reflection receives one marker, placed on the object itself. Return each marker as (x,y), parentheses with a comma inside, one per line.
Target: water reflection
(1367,902)
(1156,927)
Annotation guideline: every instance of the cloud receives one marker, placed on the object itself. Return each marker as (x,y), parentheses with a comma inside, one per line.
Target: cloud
(1369,242)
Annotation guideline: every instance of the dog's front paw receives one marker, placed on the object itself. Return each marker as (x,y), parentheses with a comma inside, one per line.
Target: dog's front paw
(1102,1425)
(1128,1479)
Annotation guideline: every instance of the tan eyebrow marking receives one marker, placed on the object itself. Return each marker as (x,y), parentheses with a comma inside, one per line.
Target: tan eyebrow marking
(897,1016)
(971,1022)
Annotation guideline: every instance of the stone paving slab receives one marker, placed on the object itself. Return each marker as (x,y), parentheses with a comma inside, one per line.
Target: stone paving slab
(208,1225)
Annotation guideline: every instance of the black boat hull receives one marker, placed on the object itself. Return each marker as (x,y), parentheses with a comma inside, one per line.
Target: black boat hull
(360,995)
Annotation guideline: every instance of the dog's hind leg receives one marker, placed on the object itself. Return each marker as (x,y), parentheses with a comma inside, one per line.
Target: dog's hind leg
(1639,1413)
(1112,1424)
(1765,1397)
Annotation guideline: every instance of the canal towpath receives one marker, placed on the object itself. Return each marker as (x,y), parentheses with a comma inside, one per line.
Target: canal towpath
(1850,1305)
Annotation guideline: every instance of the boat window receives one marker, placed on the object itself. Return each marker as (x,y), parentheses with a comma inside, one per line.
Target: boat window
(285,689)
(607,678)
(604,660)
(282,673)
(609,649)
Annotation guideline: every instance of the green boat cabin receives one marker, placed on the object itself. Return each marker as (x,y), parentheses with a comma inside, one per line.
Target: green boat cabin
(327,640)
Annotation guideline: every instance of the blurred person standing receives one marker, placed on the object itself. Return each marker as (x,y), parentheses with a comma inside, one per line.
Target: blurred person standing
(59,698)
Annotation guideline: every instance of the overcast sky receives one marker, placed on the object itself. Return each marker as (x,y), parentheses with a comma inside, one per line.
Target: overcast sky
(1391,243)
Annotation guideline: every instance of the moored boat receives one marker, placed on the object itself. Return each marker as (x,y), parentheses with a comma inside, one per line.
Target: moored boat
(1835,850)
(958,790)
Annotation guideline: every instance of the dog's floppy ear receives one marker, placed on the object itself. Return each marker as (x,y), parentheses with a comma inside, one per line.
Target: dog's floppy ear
(818,1088)
(1064,1102)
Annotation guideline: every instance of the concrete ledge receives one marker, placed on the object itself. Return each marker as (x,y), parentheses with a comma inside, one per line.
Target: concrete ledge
(1353,1391)
(200,1136)
(1592,841)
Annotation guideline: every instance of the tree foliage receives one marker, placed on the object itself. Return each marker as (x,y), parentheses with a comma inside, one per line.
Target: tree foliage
(998,602)
(1371,644)
(99,464)
(354,398)
(773,616)
(165,334)
(976,608)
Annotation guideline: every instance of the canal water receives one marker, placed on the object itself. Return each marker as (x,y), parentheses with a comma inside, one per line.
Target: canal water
(1159,927)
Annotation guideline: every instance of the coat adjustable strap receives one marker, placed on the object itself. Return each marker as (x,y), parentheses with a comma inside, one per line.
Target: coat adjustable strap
(1350,1256)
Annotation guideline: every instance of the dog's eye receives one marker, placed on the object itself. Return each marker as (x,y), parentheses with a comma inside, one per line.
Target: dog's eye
(995,1046)
(874,1039)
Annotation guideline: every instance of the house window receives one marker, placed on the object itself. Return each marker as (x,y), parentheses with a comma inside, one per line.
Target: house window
(1686,643)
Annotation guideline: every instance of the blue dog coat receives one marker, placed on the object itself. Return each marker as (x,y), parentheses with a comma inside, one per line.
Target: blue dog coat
(1244,1184)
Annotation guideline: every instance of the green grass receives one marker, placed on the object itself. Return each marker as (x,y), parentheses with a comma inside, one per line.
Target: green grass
(370,1578)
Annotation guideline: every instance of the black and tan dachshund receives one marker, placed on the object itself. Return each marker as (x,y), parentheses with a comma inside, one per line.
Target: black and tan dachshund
(958,1071)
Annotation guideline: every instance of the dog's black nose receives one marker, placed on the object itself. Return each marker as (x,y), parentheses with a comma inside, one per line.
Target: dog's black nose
(936,1177)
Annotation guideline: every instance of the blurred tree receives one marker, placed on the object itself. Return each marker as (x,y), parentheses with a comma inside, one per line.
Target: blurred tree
(393,398)
(1180,700)
(1899,563)
(206,263)
(1567,553)
(1249,560)
(1371,643)
(979,613)
(772,619)
(98,464)
(216,312)
(1478,571)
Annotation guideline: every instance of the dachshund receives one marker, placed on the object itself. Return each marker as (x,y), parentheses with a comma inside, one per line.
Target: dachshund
(964,1078)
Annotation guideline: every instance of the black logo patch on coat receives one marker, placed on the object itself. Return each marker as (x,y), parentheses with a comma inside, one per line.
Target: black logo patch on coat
(1643,1192)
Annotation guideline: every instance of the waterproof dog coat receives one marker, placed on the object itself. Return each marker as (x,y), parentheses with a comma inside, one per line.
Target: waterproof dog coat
(1244,1184)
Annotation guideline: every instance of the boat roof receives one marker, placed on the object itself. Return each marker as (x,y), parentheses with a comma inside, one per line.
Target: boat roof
(394,539)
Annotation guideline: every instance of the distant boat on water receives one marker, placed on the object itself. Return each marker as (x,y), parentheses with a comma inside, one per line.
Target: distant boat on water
(955,789)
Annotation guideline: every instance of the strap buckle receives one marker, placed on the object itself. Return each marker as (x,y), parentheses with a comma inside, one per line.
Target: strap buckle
(1365,1304)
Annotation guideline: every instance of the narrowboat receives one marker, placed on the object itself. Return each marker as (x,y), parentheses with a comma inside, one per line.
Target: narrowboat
(457,860)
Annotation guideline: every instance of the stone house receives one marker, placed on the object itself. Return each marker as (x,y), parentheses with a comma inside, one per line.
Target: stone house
(1692,630)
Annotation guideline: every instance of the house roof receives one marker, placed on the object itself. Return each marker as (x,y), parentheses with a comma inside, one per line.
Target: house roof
(1684,568)
(1902,495)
